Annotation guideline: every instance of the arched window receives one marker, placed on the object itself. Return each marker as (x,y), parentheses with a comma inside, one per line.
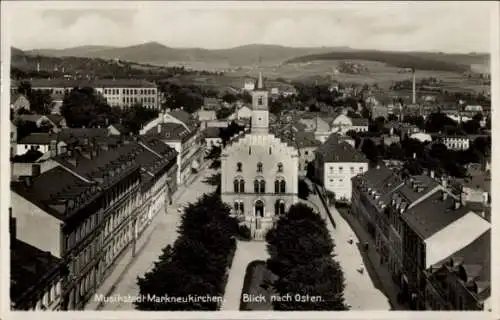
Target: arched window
(242,208)
(280,167)
(239,167)
(262,186)
(282,186)
(259,167)
(239,185)
(279,185)
(276,186)
(256,186)
(236,206)
(259,210)
(279,207)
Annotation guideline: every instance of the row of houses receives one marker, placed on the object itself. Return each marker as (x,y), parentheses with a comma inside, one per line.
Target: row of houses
(74,214)
(177,128)
(432,236)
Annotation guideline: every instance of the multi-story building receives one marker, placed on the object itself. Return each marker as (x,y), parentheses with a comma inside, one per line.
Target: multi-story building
(463,280)
(18,102)
(180,131)
(158,181)
(35,276)
(212,138)
(89,204)
(118,92)
(433,231)
(414,222)
(306,144)
(336,163)
(259,171)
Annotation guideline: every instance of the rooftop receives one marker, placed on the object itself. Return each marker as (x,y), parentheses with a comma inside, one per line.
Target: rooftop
(182,116)
(433,215)
(29,266)
(171,132)
(211,132)
(417,187)
(52,190)
(334,150)
(97,164)
(476,258)
(30,117)
(359,122)
(39,138)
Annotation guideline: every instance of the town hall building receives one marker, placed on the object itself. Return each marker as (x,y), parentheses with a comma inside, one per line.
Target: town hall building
(259,171)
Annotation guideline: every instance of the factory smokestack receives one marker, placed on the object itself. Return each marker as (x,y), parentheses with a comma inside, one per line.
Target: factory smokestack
(414,87)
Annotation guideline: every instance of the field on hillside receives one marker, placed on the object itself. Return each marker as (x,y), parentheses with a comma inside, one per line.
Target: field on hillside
(378,72)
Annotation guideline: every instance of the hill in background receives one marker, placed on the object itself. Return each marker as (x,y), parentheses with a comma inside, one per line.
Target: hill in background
(418,60)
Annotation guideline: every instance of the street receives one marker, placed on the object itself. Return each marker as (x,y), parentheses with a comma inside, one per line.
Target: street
(361,291)
(163,234)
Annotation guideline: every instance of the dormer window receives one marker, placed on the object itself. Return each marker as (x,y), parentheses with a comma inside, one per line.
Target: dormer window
(239,167)
(280,167)
(259,167)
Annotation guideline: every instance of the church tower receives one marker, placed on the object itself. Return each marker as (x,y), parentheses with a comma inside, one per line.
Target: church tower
(260,109)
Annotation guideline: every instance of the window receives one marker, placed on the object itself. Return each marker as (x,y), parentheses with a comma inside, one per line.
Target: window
(260,101)
(352,170)
(242,208)
(331,170)
(280,167)
(259,167)
(279,207)
(259,186)
(282,186)
(306,152)
(239,166)
(361,169)
(340,169)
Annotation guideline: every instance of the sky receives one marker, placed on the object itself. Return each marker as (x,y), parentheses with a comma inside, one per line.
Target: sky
(453,26)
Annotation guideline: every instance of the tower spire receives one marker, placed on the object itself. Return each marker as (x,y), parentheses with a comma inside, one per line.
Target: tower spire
(260,83)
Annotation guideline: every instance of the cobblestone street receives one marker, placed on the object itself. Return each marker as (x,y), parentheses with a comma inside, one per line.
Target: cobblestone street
(161,232)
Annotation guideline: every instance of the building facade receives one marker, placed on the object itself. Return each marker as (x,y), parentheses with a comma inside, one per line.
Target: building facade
(118,92)
(259,171)
(91,206)
(336,163)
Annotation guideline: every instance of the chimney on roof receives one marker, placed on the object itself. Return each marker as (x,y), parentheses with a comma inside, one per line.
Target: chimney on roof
(28,181)
(444,182)
(445,195)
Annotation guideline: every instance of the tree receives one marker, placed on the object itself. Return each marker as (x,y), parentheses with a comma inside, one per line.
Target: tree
(198,261)
(135,117)
(369,148)
(392,117)
(301,256)
(84,107)
(229,98)
(303,190)
(223,113)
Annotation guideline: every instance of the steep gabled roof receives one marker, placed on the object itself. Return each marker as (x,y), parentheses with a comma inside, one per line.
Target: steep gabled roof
(334,150)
